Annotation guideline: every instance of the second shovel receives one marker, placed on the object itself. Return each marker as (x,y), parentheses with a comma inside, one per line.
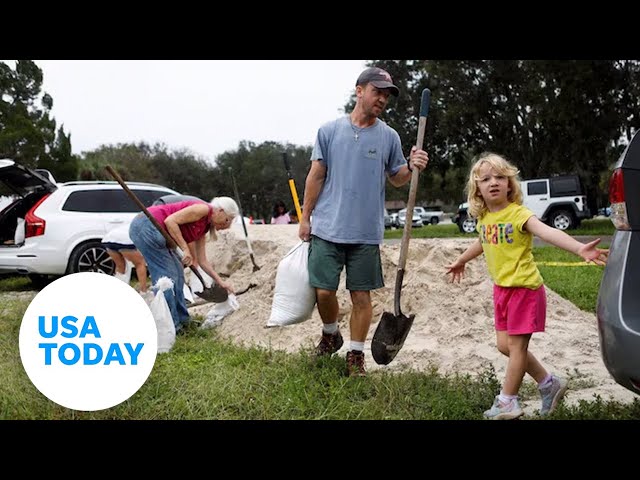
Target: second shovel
(244,226)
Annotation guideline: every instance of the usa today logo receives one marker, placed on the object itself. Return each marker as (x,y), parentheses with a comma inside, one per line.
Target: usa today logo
(88,341)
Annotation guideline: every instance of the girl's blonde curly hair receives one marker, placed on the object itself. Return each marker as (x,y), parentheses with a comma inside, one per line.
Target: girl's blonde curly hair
(477,205)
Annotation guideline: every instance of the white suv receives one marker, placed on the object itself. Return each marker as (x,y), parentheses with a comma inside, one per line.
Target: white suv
(55,229)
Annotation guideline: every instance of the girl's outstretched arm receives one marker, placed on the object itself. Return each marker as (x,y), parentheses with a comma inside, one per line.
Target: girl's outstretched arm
(588,251)
(457,268)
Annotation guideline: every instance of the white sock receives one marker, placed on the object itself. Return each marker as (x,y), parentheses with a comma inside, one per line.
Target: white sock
(546,381)
(330,328)
(503,398)
(357,346)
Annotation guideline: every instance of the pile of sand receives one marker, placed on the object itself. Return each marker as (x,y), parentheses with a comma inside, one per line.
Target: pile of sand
(453,328)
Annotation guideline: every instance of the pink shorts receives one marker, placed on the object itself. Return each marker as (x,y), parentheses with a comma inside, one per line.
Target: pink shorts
(519,310)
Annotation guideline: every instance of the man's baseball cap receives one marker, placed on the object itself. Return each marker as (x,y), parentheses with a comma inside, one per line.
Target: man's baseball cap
(379,78)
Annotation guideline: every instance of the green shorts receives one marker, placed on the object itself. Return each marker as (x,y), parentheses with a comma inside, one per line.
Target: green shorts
(326,260)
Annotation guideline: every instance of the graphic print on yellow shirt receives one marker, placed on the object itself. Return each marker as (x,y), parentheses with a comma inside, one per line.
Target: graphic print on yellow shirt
(507,248)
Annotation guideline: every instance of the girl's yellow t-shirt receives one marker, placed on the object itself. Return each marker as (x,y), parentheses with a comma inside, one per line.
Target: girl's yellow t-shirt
(507,247)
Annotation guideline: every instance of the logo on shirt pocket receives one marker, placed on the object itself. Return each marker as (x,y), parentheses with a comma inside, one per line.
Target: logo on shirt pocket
(372,153)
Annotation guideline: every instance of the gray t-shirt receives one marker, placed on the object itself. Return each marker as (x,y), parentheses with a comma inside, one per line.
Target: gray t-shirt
(350,207)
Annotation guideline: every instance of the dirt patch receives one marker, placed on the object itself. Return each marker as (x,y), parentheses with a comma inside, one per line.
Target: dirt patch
(453,329)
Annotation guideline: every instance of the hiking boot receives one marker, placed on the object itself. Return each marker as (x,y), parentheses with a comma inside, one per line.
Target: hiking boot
(552,394)
(355,364)
(329,344)
(504,411)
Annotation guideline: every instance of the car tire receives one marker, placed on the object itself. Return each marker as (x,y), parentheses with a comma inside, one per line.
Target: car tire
(467,225)
(562,220)
(434,220)
(91,256)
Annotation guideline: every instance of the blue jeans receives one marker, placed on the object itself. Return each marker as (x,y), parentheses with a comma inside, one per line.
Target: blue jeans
(162,262)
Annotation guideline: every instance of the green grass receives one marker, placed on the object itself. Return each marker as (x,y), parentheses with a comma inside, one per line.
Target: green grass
(204,377)
(587,227)
(595,226)
(579,284)
(15,283)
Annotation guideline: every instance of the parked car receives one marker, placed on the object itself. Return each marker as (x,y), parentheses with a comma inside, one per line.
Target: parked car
(558,201)
(166,199)
(387,219)
(416,219)
(618,304)
(604,211)
(465,222)
(431,214)
(57,228)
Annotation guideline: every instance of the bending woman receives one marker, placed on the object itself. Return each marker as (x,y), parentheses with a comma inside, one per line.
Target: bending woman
(185,222)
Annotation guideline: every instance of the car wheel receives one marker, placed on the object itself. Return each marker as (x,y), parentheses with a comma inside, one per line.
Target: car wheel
(91,257)
(468,225)
(562,220)
(434,220)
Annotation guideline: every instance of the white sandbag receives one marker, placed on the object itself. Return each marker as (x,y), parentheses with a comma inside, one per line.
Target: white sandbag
(18,237)
(188,296)
(126,276)
(219,311)
(195,284)
(162,316)
(293,298)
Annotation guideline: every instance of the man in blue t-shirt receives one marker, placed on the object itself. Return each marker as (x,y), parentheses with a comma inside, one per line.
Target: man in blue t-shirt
(352,158)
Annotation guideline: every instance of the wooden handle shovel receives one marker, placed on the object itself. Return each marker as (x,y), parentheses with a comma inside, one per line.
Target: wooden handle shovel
(393,328)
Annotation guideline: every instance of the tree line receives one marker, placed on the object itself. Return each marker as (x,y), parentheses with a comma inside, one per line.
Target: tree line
(548,117)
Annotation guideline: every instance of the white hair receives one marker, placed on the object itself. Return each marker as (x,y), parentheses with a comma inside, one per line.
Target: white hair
(228,204)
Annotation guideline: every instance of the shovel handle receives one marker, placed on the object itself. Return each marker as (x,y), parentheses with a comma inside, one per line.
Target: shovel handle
(171,243)
(292,186)
(244,227)
(406,233)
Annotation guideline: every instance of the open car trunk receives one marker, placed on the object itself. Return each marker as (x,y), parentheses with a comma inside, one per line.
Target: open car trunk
(23,188)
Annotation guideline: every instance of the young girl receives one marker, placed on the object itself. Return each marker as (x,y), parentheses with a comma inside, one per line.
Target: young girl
(506,236)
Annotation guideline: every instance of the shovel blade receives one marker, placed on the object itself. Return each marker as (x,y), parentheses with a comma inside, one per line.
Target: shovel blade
(389,337)
(214,294)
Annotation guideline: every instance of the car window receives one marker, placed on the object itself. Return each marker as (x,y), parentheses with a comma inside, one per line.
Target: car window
(537,188)
(561,187)
(109,201)
(147,197)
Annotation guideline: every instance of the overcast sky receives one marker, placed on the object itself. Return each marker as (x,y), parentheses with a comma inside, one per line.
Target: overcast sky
(207,106)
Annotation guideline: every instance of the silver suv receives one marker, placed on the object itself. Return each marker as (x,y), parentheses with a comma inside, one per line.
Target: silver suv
(56,228)
(618,306)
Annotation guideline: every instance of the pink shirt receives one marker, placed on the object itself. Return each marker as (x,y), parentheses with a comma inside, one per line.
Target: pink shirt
(190,231)
(282,219)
